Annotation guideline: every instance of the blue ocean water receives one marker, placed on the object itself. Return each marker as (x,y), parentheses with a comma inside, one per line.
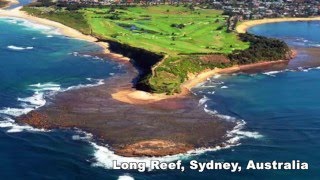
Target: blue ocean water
(280,110)
(21,3)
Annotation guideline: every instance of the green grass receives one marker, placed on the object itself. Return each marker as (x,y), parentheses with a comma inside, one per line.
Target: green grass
(154,28)
(74,20)
(153,31)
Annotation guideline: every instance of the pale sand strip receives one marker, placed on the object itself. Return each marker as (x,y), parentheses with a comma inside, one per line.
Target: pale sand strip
(133,96)
(65,30)
(244,26)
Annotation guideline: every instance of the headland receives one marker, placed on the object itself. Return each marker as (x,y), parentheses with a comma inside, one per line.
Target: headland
(161,117)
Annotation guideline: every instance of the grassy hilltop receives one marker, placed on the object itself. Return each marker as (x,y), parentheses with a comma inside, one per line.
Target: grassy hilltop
(191,39)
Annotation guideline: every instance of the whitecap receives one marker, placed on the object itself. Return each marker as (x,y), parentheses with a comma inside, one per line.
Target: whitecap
(15,111)
(237,133)
(203,100)
(82,136)
(98,82)
(27,105)
(224,87)
(216,76)
(125,177)
(212,92)
(37,99)
(272,73)
(17,48)
(45,87)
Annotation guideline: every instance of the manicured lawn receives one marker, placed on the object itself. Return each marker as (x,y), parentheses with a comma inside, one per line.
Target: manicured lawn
(154,28)
(181,33)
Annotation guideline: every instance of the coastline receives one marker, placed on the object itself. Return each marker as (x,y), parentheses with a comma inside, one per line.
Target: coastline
(245,25)
(132,122)
(63,29)
(133,96)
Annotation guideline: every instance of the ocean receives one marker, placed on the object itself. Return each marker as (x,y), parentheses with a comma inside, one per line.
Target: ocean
(277,112)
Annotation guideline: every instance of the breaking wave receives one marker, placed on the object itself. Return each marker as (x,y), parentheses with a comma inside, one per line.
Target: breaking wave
(31,25)
(125,177)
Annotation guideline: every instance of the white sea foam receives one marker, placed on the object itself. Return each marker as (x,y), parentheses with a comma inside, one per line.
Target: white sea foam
(74,53)
(31,25)
(96,82)
(82,136)
(37,99)
(87,55)
(27,104)
(212,92)
(272,73)
(125,177)
(45,87)
(203,100)
(217,76)
(221,116)
(18,48)
(15,111)
(224,87)
(12,127)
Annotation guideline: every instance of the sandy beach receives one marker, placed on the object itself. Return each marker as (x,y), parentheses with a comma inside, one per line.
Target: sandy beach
(244,26)
(132,96)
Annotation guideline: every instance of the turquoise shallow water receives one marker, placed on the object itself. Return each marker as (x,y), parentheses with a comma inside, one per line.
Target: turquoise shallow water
(281,109)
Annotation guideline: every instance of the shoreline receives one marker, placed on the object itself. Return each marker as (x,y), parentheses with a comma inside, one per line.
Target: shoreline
(130,96)
(63,29)
(142,97)
(245,25)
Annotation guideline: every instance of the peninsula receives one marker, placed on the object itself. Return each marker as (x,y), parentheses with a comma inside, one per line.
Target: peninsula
(148,110)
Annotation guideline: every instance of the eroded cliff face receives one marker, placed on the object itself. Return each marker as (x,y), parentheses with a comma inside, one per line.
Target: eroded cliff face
(142,59)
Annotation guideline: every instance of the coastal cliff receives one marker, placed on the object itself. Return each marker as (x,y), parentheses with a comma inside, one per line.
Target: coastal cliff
(142,59)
